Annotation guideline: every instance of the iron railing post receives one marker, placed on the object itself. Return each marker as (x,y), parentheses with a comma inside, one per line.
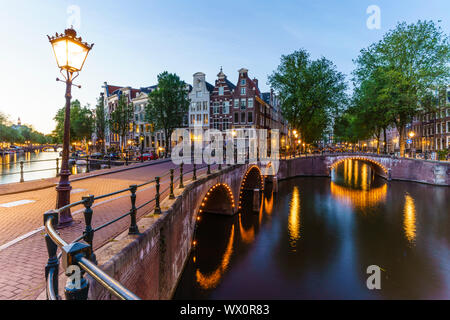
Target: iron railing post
(53,261)
(133,226)
(157,207)
(109,163)
(172,195)
(87,164)
(77,287)
(21,171)
(220,166)
(181,186)
(88,234)
(57,166)
(209,170)
(194,176)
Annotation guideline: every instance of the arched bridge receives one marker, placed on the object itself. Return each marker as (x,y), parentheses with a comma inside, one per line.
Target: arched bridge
(391,168)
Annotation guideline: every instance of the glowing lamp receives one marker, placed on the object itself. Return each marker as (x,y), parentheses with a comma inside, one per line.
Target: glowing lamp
(70,52)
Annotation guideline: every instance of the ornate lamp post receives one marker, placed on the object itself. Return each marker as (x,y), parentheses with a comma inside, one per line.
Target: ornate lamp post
(70,53)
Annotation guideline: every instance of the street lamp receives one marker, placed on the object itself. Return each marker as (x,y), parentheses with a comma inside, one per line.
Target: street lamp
(70,53)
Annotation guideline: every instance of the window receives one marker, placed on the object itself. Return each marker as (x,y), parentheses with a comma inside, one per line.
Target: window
(220,91)
(192,119)
(205,105)
(216,124)
(199,119)
(243,117)
(226,107)
(243,82)
(216,108)
(243,104)
(236,117)
(250,103)
(242,91)
(250,117)
(199,106)
(226,124)
(198,94)
(205,119)
(236,103)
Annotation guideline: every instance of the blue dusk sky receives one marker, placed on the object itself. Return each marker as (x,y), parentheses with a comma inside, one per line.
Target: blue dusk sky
(137,40)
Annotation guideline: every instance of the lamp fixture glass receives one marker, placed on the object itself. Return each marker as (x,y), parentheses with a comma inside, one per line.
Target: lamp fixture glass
(70,52)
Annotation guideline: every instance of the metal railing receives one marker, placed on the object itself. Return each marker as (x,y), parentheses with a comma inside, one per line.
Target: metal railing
(79,256)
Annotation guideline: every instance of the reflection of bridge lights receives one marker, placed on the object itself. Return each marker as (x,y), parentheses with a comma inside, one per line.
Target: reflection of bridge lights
(409,220)
(268,205)
(246,236)
(211,280)
(359,198)
(294,218)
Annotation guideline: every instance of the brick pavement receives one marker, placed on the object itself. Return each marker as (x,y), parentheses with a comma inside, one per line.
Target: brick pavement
(22,264)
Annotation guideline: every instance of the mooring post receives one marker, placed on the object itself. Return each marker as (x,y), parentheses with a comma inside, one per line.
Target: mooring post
(21,171)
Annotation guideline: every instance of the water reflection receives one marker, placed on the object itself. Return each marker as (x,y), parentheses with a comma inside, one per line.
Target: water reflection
(316,238)
(294,218)
(354,184)
(211,280)
(409,221)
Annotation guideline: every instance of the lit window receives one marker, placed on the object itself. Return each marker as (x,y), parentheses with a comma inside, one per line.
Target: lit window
(250,117)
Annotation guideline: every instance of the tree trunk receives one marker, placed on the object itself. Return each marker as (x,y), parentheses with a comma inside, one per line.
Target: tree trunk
(385,141)
(401,140)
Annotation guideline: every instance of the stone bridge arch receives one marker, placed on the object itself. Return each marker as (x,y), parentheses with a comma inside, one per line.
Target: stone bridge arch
(382,169)
(252,179)
(218,199)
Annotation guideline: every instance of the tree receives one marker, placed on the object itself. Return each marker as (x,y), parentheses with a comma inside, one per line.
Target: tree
(81,123)
(167,105)
(312,93)
(411,59)
(121,119)
(100,122)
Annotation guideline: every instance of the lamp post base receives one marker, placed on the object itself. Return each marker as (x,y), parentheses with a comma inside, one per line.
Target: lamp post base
(63,199)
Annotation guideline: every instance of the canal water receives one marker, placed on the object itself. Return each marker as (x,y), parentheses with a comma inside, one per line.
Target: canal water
(43,165)
(317,237)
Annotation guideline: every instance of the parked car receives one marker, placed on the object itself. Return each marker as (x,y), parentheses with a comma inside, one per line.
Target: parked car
(97,155)
(147,156)
(112,156)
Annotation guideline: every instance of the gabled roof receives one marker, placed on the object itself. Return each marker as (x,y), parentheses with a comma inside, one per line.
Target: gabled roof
(230,84)
(209,86)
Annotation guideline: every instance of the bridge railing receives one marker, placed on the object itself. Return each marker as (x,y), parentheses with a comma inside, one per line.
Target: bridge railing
(78,257)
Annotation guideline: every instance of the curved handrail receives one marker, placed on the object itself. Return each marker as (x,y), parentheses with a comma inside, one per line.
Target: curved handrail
(98,274)
(106,281)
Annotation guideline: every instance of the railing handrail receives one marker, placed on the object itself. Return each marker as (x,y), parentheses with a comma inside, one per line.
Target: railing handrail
(98,274)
